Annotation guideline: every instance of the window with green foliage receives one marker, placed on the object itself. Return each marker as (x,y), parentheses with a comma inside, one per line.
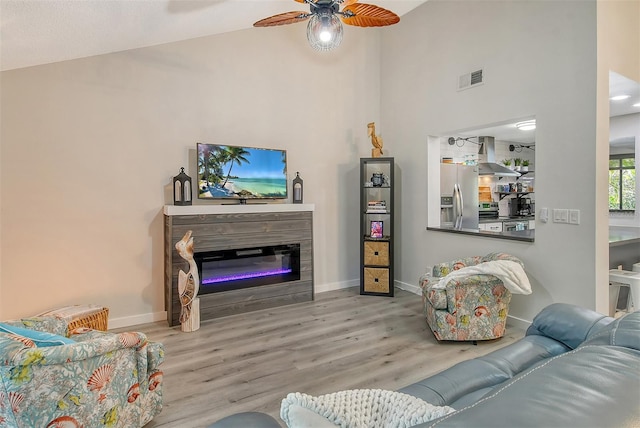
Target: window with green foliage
(622,183)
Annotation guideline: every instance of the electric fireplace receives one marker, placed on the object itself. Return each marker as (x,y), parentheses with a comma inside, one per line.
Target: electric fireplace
(234,269)
(216,229)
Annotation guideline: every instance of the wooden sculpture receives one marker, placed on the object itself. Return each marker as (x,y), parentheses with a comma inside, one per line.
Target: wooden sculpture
(188,284)
(376,140)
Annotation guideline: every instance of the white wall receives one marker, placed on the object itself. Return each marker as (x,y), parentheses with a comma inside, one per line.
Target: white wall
(88,147)
(539,60)
(627,126)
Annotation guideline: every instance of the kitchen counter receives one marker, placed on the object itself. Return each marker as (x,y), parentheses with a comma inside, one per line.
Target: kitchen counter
(623,235)
(624,246)
(515,235)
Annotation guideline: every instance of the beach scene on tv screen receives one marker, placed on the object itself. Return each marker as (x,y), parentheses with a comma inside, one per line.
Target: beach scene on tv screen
(241,172)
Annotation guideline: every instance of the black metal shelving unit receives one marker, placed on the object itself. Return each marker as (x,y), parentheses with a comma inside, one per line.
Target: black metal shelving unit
(377,184)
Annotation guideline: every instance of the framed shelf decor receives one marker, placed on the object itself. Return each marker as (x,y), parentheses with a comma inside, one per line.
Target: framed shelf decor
(376,229)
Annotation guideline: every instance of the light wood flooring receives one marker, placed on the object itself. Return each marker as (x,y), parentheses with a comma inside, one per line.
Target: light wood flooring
(342,340)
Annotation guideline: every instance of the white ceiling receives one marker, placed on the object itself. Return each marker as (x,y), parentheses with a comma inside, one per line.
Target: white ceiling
(620,85)
(505,131)
(35,32)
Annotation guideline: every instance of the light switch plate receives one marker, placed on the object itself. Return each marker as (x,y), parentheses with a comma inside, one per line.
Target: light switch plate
(560,215)
(544,215)
(574,216)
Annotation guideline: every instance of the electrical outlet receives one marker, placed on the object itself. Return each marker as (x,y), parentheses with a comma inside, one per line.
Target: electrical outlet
(560,215)
(574,216)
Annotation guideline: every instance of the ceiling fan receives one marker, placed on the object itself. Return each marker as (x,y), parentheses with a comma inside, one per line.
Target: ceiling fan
(324,30)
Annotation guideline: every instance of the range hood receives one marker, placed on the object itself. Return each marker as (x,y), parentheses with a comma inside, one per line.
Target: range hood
(487,160)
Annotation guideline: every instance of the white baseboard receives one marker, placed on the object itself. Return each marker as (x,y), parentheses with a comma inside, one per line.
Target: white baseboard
(356,283)
(332,286)
(137,319)
(409,287)
(133,320)
(518,322)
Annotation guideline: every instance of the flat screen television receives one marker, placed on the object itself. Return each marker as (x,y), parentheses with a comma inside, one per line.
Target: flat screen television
(241,173)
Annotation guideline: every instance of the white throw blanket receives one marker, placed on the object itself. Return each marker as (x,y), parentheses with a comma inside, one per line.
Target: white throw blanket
(509,272)
(364,408)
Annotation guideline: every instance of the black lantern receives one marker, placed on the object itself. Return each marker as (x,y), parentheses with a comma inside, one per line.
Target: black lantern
(182,189)
(297,189)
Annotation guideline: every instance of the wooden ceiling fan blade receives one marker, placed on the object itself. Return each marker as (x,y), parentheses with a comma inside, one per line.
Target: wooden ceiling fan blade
(282,19)
(345,2)
(368,15)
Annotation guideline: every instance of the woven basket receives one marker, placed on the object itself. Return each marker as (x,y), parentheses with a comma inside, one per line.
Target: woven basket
(376,253)
(96,321)
(376,280)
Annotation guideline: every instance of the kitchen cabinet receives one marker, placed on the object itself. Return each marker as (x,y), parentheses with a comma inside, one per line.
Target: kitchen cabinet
(377,185)
(491,227)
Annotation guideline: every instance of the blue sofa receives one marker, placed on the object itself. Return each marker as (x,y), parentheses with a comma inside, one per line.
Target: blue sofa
(573,368)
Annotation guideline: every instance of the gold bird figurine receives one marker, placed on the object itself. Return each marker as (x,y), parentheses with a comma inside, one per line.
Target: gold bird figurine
(376,140)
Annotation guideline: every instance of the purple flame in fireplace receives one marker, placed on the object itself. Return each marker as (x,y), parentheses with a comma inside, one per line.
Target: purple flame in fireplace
(245,275)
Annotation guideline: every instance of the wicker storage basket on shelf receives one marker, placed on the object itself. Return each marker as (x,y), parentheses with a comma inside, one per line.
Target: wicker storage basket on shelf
(376,280)
(90,316)
(96,321)
(376,253)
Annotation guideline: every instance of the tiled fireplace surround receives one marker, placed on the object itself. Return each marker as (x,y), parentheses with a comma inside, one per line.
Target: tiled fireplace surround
(225,227)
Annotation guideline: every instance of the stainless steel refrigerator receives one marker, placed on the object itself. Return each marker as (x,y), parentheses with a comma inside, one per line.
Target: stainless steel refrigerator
(461,183)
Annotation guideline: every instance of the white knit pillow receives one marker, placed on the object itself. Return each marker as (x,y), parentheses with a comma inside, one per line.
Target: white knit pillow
(360,408)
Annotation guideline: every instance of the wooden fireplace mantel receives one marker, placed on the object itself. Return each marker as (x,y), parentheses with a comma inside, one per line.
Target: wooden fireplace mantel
(173,210)
(222,227)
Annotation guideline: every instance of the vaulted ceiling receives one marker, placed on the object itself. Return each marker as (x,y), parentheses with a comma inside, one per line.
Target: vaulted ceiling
(35,32)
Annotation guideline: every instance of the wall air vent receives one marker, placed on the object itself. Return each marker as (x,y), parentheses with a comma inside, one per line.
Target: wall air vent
(470,80)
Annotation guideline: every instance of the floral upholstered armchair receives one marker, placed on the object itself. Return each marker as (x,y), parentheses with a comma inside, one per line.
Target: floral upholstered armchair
(472,307)
(89,379)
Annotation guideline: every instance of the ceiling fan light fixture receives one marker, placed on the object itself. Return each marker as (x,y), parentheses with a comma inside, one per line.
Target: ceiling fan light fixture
(324,31)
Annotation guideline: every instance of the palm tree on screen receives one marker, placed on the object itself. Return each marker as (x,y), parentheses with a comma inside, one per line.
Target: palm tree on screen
(235,155)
